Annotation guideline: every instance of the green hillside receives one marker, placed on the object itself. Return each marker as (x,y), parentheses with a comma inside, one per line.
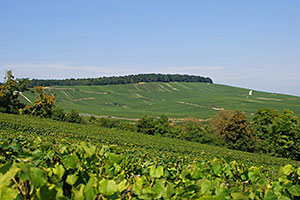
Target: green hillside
(174,99)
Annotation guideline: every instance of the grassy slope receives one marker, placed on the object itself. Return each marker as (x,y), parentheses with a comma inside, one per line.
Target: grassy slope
(175,100)
(14,125)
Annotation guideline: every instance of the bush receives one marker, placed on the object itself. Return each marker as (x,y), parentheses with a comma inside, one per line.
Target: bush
(74,117)
(58,114)
(146,125)
(278,133)
(234,129)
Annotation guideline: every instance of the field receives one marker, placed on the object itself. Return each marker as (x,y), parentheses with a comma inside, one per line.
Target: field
(175,99)
(155,145)
(45,159)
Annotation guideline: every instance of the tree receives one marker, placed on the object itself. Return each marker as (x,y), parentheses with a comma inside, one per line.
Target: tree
(278,133)
(42,106)
(161,125)
(73,117)
(146,125)
(234,128)
(9,93)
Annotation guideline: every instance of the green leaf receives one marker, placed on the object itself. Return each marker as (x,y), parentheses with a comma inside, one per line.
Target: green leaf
(59,170)
(254,174)
(284,198)
(108,187)
(89,191)
(8,193)
(122,185)
(238,196)
(9,174)
(288,169)
(37,177)
(89,150)
(159,190)
(156,172)
(47,193)
(71,179)
(270,196)
(77,193)
(70,161)
(217,168)
(114,158)
(295,190)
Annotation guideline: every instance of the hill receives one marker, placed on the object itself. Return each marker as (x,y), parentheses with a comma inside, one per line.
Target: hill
(174,99)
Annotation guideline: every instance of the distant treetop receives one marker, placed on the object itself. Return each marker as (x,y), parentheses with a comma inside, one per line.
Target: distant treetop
(128,79)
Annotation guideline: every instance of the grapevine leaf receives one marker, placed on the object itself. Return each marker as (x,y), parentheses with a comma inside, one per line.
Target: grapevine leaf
(108,187)
(59,170)
(122,185)
(270,196)
(156,172)
(7,193)
(6,178)
(239,196)
(217,168)
(70,161)
(89,191)
(46,193)
(295,190)
(71,179)
(89,150)
(37,177)
(288,169)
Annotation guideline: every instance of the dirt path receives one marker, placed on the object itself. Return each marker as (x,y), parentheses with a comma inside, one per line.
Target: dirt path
(269,99)
(171,86)
(140,96)
(196,105)
(136,87)
(164,87)
(134,119)
(66,94)
(93,92)
(83,99)
(22,95)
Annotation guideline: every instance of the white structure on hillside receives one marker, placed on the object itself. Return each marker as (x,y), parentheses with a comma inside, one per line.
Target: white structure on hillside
(250,92)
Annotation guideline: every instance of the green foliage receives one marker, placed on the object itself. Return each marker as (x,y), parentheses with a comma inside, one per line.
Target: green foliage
(73,117)
(278,133)
(234,128)
(58,114)
(113,123)
(59,169)
(29,126)
(9,93)
(146,125)
(123,80)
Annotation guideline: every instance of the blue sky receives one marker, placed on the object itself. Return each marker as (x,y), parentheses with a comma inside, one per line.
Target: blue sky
(251,43)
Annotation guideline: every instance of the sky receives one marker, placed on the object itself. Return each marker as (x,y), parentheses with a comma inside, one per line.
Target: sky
(251,43)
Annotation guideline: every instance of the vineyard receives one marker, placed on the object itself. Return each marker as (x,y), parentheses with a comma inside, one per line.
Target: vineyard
(45,159)
(174,99)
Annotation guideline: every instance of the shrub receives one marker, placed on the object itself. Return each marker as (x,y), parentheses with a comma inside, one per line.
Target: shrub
(278,133)
(74,117)
(234,129)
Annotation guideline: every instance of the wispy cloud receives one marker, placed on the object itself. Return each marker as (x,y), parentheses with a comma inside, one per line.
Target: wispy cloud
(192,69)
(63,70)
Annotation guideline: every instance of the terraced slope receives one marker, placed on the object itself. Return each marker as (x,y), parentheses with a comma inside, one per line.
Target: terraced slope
(176,100)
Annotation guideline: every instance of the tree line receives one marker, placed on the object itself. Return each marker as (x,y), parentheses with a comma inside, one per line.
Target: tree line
(128,79)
